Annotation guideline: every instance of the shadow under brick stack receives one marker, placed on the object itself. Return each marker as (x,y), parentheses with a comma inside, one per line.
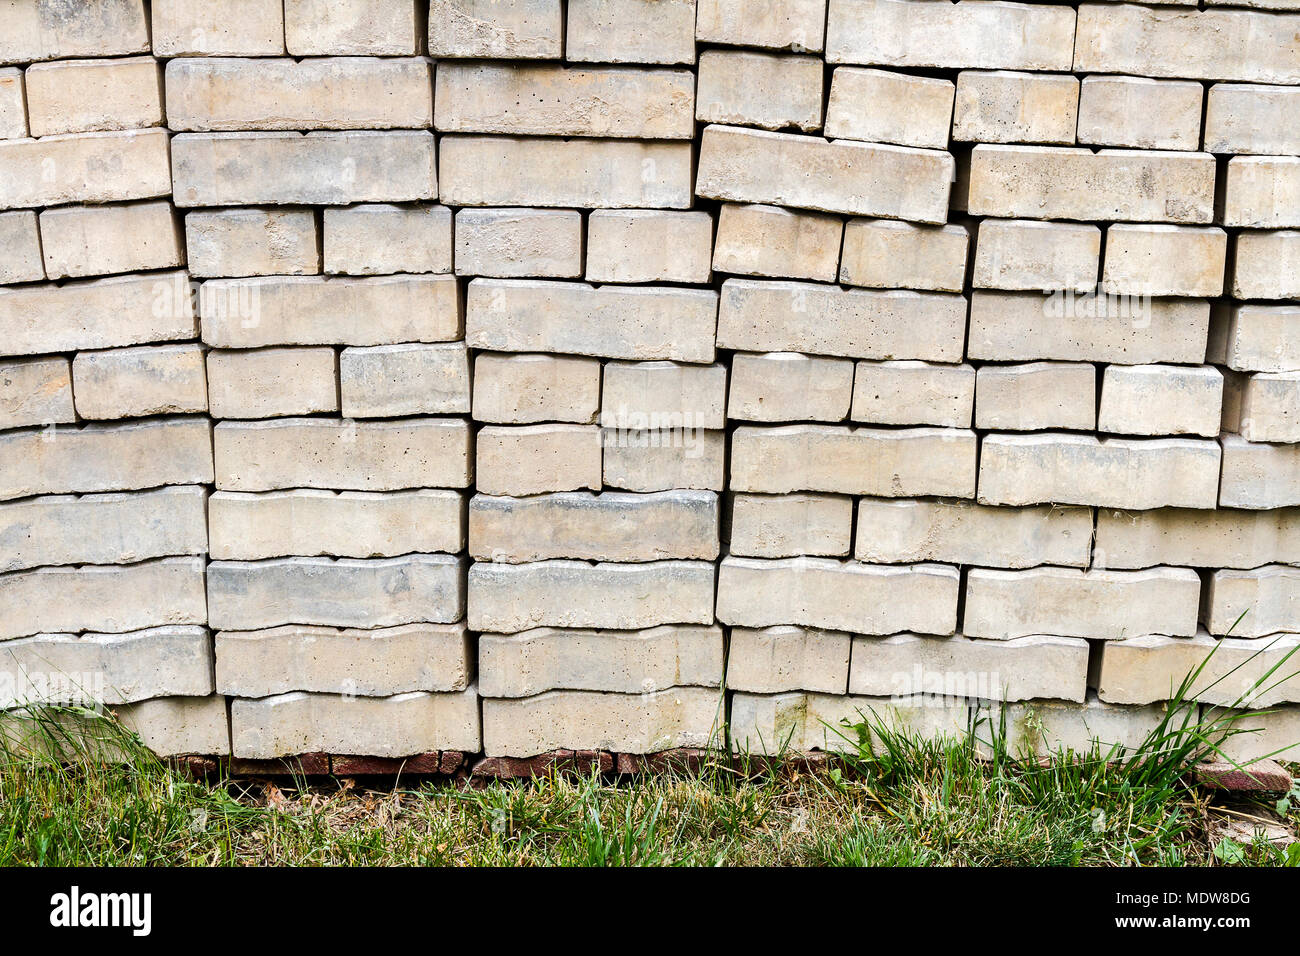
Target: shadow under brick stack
(391,382)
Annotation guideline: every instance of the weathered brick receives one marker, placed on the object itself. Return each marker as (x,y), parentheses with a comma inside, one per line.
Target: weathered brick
(1218,539)
(1024,255)
(113,598)
(913,393)
(858,323)
(594,527)
(787,386)
(81,96)
(1263,407)
(1065,601)
(35,392)
(507,598)
(775,660)
(1271,734)
(863,179)
(1244,673)
(630,31)
(319,168)
(1258,475)
(269,383)
(1138,113)
(365,28)
(626,662)
(536,459)
(1036,395)
(524,389)
(252,242)
(1266,265)
(13,107)
(883,107)
(380,239)
(79,241)
(179,725)
(103,529)
(396,726)
(342,592)
(770,91)
(518,243)
(892,531)
(771,241)
(1160,400)
(507,315)
(1045,728)
(217,28)
(537,171)
(839,595)
(84,167)
(799,722)
(1007,107)
(1240,118)
(20,248)
(48,31)
(1262,191)
(797,25)
(645,461)
(368,662)
(308,310)
(411,379)
(90,458)
(347,524)
(1164,260)
(1110,472)
(1253,603)
(328,453)
(639,395)
(1256,338)
(134,382)
(648,246)
(885,254)
(786,526)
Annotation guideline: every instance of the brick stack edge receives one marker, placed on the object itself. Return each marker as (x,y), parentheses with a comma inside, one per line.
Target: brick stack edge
(417,378)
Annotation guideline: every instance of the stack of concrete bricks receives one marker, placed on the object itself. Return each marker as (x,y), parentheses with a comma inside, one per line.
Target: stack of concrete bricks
(400,378)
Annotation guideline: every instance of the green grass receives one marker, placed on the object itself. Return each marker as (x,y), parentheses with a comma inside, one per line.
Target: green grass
(893,801)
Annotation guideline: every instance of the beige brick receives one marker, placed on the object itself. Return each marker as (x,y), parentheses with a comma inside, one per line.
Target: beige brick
(1036,395)
(134,382)
(1135,112)
(647,461)
(774,660)
(13,106)
(1262,191)
(770,241)
(543,100)
(342,592)
(645,323)
(787,386)
(504,29)
(854,461)
(508,598)
(218,28)
(770,91)
(839,595)
(894,531)
(20,248)
(649,245)
(154,662)
(1024,255)
(1263,407)
(319,168)
(1256,338)
(369,663)
(1218,539)
(630,31)
(883,107)
(252,242)
(79,241)
(1023,668)
(381,239)
(287,94)
(858,323)
(1109,472)
(365,28)
(786,526)
(269,383)
(1164,260)
(884,254)
(1007,107)
(1160,400)
(113,598)
(328,453)
(1045,728)
(1023,326)
(90,458)
(396,726)
(1240,118)
(308,310)
(1065,601)
(1233,672)
(171,726)
(864,179)
(801,722)
(582,526)
(524,389)
(968,35)
(1266,265)
(103,529)
(584,720)
(1268,597)
(913,393)
(81,96)
(1268,735)
(518,243)
(796,25)
(345,524)
(412,379)
(45,31)
(84,167)
(534,459)
(640,395)
(1258,475)
(1075,183)
(536,171)
(627,662)
(35,392)
(1194,44)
